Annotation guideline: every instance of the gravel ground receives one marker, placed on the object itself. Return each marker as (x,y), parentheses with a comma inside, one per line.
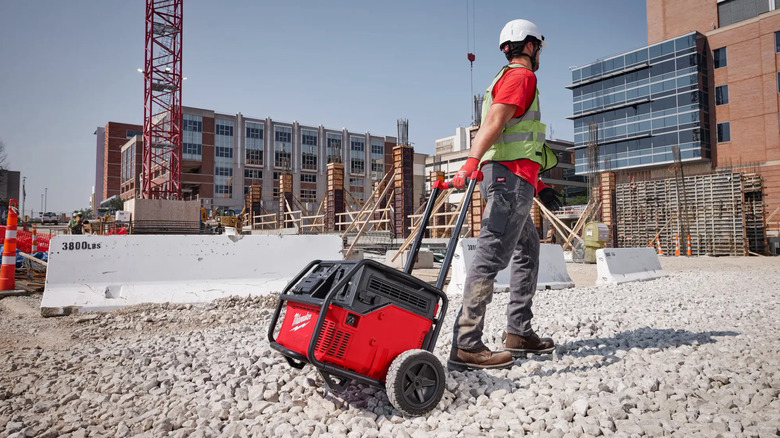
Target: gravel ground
(693,354)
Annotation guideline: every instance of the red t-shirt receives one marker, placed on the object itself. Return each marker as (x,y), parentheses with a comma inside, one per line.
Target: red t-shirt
(518,87)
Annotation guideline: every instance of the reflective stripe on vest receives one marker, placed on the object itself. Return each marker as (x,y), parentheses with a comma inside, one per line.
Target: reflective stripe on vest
(521,137)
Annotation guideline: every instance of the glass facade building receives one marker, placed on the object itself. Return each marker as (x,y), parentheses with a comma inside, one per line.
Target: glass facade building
(644,102)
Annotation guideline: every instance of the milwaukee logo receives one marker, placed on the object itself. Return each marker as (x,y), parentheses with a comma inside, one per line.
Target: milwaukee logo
(300,321)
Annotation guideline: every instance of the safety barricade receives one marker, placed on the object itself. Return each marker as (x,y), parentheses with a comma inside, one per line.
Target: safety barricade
(622,265)
(552,268)
(8,266)
(96,273)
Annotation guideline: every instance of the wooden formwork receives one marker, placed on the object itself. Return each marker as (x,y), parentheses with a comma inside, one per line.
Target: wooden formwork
(722,213)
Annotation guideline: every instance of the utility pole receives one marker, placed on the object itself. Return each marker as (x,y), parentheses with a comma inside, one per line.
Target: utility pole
(45,199)
(24,195)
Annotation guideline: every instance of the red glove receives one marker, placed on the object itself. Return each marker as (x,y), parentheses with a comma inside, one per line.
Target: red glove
(459,180)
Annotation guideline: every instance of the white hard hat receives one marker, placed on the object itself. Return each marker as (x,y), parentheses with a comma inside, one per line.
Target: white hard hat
(517,31)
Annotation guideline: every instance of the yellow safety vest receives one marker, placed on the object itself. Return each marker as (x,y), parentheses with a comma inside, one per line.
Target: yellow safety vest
(522,137)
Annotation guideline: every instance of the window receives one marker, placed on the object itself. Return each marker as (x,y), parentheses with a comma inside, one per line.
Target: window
(254,143)
(334,148)
(283,134)
(307,177)
(223,171)
(377,158)
(719,57)
(224,128)
(724,132)
(254,156)
(722,93)
(282,147)
(777,41)
(130,133)
(276,176)
(308,195)
(191,149)
(221,151)
(308,149)
(309,137)
(254,130)
(224,190)
(778,82)
(253,173)
(357,154)
(192,123)
(275,193)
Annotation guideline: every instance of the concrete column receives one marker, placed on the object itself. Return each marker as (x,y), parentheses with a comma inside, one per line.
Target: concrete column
(253,202)
(475,215)
(285,197)
(335,195)
(403,190)
(608,212)
(536,216)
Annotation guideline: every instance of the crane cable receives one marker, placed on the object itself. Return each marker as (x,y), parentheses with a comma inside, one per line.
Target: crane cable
(471,42)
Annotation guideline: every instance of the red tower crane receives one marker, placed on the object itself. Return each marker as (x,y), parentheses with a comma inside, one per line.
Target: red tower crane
(161,177)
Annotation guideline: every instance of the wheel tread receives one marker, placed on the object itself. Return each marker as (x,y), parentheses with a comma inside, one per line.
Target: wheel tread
(394,376)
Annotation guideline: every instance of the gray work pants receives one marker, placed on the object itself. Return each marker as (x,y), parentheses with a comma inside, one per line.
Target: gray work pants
(507,234)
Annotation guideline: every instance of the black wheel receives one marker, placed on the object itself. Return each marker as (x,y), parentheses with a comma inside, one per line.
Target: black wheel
(415,382)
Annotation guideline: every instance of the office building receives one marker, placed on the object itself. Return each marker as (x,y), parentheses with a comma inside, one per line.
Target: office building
(708,81)
(224,154)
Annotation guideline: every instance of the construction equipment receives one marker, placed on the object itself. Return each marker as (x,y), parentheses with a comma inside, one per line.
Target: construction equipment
(595,236)
(366,322)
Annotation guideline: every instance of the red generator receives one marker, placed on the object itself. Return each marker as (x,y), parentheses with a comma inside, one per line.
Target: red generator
(366,322)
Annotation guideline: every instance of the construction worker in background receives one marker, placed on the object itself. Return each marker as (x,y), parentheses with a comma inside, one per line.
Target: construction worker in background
(511,150)
(76,225)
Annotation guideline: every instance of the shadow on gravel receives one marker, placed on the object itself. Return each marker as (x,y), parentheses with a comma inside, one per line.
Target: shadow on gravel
(645,338)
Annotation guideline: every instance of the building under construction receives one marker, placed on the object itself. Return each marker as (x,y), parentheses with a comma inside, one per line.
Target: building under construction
(680,137)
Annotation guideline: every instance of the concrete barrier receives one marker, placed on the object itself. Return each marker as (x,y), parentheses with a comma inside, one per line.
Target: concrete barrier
(424,259)
(95,273)
(552,268)
(621,265)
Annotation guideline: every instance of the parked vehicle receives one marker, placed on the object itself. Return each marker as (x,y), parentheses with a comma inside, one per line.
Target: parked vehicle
(50,218)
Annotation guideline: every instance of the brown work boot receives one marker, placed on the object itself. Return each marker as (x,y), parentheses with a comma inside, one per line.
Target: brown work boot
(461,360)
(520,345)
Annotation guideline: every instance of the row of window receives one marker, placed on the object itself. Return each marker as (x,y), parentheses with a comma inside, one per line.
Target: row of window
(655,53)
(719,58)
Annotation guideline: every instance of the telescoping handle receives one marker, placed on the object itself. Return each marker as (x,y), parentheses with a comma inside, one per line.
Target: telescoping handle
(445,264)
(436,188)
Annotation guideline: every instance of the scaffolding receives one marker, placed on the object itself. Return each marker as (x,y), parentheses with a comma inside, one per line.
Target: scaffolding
(723,214)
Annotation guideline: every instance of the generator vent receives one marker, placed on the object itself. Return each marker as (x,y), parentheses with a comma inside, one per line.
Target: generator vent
(332,342)
(394,292)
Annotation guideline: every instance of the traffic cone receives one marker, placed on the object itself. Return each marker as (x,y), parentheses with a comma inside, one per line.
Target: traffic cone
(688,251)
(34,246)
(660,250)
(676,245)
(8,267)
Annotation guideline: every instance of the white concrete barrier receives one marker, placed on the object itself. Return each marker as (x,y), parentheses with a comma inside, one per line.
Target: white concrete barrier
(424,259)
(552,268)
(621,265)
(94,273)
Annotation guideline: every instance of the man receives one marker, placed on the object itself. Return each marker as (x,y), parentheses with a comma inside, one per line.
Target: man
(511,150)
(76,225)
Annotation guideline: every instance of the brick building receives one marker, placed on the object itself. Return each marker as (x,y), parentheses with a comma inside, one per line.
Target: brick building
(110,140)
(223,154)
(719,61)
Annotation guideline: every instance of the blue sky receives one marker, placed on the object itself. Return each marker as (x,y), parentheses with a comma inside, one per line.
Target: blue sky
(67,67)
